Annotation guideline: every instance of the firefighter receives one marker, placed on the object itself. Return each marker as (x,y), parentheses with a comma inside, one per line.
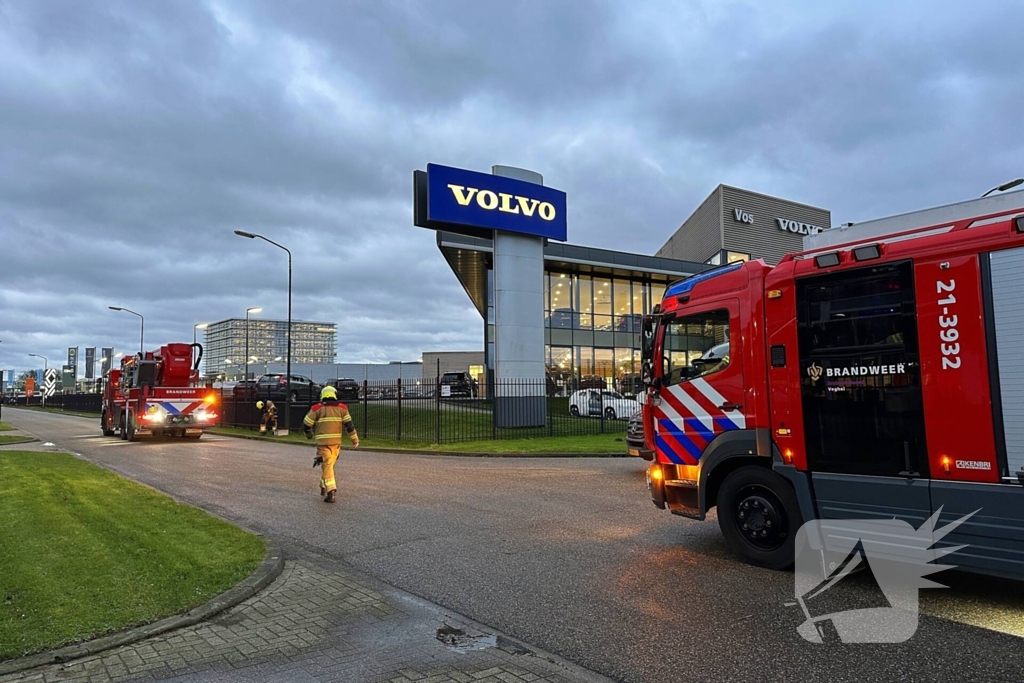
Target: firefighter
(268,420)
(325,422)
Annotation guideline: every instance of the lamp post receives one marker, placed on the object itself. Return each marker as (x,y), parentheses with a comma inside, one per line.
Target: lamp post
(142,326)
(197,326)
(288,355)
(254,309)
(46,368)
(1005,186)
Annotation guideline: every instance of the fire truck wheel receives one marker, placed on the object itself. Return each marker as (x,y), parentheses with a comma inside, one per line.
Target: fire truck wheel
(103,425)
(759,516)
(131,428)
(124,428)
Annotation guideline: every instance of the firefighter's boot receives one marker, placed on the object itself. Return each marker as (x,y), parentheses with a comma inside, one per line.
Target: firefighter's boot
(329,498)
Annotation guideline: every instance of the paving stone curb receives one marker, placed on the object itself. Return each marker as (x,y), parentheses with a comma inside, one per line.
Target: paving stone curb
(416,451)
(268,570)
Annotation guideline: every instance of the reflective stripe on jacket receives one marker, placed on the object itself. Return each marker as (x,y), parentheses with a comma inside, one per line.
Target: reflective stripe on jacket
(328,421)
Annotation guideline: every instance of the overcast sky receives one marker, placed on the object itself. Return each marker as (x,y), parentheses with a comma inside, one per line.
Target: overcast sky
(136,136)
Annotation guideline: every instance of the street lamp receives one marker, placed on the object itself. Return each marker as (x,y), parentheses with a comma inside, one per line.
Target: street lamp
(142,326)
(1005,186)
(254,309)
(288,355)
(197,326)
(46,369)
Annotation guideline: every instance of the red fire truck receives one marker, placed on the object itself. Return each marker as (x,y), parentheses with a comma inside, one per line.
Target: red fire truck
(881,378)
(156,394)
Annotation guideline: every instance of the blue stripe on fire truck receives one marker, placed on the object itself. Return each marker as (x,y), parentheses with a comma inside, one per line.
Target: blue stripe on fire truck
(686,442)
(725,424)
(170,408)
(668,452)
(697,426)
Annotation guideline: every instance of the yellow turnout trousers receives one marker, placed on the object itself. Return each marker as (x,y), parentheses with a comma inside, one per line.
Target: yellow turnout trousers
(329,452)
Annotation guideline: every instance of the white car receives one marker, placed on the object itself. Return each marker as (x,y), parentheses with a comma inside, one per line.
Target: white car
(598,402)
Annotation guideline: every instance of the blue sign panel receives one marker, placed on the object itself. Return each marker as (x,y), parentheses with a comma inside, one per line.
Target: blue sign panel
(455,195)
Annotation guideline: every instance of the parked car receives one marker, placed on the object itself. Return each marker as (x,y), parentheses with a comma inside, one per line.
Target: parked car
(244,389)
(635,443)
(275,387)
(596,403)
(593,382)
(461,384)
(348,389)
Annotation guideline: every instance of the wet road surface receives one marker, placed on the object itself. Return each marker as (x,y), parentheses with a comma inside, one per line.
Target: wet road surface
(566,554)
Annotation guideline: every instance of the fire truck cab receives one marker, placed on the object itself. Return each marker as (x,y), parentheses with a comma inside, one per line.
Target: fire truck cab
(881,378)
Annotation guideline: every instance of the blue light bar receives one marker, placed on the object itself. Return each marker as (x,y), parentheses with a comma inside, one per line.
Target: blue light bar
(686,285)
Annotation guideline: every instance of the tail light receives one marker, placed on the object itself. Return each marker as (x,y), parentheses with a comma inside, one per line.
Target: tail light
(210,398)
(284,380)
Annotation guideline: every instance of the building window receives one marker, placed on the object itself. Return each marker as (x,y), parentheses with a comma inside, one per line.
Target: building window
(602,304)
(657,294)
(561,301)
(584,302)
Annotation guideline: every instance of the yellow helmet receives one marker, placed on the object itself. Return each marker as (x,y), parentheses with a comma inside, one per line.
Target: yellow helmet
(328,392)
(259,404)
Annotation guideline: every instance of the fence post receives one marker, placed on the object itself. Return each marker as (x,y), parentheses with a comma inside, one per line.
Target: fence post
(547,404)
(366,409)
(437,408)
(398,437)
(601,394)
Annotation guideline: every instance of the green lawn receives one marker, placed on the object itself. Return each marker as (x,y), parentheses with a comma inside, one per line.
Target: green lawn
(4,427)
(86,552)
(8,439)
(588,443)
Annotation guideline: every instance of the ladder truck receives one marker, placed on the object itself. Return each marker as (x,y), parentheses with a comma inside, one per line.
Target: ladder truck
(880,378)
(156,393)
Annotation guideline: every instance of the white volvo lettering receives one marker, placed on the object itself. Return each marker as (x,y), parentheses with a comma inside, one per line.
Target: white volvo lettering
(797,227)
(504,202)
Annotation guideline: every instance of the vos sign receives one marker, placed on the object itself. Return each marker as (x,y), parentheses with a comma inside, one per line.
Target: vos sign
(457,197)
(743,217)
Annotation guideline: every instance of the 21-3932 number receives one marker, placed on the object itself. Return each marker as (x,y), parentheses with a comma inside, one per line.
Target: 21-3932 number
(948,333)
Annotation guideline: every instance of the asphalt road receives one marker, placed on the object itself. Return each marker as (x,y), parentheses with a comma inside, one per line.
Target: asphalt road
(566,554)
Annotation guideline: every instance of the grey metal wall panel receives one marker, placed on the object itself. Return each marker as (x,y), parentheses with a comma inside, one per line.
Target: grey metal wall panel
(762,237)
(1008,306)
(700,237)
(939,215)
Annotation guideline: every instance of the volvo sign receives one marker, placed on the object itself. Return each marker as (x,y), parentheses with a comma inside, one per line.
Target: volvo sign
(465,201)
(798,227)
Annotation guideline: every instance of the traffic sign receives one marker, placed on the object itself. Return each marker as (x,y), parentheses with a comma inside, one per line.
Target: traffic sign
(50,382)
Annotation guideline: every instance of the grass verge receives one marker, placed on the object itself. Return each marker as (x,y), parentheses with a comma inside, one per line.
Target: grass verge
(8,439)
(4,427)
(86,552)
(588,443)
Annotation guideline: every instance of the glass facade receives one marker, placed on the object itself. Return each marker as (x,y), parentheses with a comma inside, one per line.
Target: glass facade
(592,327)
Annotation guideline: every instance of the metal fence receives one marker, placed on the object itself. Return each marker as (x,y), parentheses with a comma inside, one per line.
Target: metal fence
(429,411)
(426,410)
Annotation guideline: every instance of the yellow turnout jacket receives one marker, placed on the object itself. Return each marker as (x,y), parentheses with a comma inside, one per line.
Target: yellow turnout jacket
(326,421)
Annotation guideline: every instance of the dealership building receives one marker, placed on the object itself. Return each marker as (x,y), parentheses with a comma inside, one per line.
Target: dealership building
(591,300)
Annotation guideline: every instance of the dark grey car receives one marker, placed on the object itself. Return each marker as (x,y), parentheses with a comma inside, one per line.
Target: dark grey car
(635,443)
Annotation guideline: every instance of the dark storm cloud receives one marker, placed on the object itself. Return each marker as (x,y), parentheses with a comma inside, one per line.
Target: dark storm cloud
(135,137)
